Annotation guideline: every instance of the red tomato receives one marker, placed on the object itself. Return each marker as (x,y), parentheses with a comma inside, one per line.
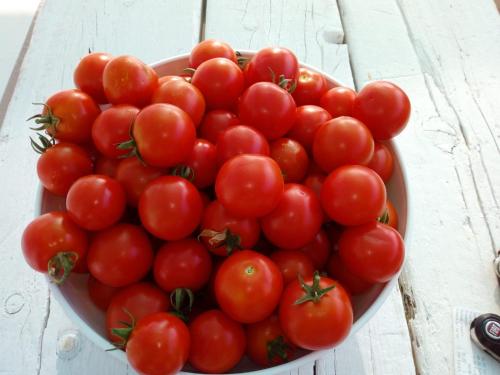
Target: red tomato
(53,243)
(292,263)
(182,264)
(384,108)
(159,345)
(170,208)
(99,293)
(134,176)
(249,186)
(392,214)
(127,80)
(318,250)
(95,202)
(291,157)
(222,233)
(240,139)
(120,255)
(164,135)
(308,120)
(183,95)
(317,319)
(106,166)
(61,165)
(337,270)
(215,122)
(333,231)
(343,140)
(221,82)
(88,75)
(68,116)
(314,181)
(270,63)
(248,286)
(338,101)
(267,344)
(210,49)
(165,79)
(111,128)
(217,342)
(134,301)
(353,195)
(203,163)
(373,251)
(382,161)
(268,108)
(311,86)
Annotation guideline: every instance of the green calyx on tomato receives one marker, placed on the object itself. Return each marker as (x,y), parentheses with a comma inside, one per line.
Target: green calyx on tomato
(182,300)
(184,171)
(43,144)
(131,145)
(278,348)
(47,121)
(242,61)
(384,219)
(61,265)
(226,238)
(313,292)
(285,83)
(125,332)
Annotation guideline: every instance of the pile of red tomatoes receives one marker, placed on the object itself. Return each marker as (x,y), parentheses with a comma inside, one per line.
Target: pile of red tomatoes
(232,209)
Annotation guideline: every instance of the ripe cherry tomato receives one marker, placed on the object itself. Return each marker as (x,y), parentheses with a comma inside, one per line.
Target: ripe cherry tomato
(106,166)
(293,263)
(341,141)
(373,252)
(318,250)
(270,63)
(249,186)
(382,161)
(311,86)
(296,220)
(127,80)
(217,342)
(222,233)
(134,176)
(95,202)
(353,195)
(308,120)
(88,75)
(314,181)
(170,208)
(338,101)
(240,139)
(183,95)
(61,165)
(210,49)
(165,79)
(53,243)
(182,264)
(164,135)
(215,122)
(120,255)
(99,293)
(221,82)
(268,108)
(317,319)
(248,286)
(384,108)
(392,214)
(267,344)
(159,344)
(203,163)
(291,157)
(337,270)
(111,128)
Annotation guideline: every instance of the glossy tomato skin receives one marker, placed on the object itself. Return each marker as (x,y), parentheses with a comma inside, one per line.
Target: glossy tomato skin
(382,161)
(316,325)
(217,220)
(61,165)
(88,75)
(240,139)
(353,195)
(337,270)
(384,108)
(159,345)
(182,264)
(217,342)
(164,135)
(338,101)
(203,163)
(268,108)
(111,128)
(95,202)
(311,86)
(281,61)
(210,49)
(220,81)
(296,220)
(99,293)
(309,119)
(341,141)
(393,215)
(373,251)
(183,95)
(291,157)
(318,250)
(170,208)
(120,255)
(127,80)
(248,286)
(293,263)
(215,122)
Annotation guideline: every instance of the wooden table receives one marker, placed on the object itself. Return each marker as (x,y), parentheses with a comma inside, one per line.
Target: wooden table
(445,54)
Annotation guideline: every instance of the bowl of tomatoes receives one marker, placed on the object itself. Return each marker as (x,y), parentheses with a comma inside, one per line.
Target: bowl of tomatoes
(257,229)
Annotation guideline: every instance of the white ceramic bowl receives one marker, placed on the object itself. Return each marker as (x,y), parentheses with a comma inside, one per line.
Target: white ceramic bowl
(74,298)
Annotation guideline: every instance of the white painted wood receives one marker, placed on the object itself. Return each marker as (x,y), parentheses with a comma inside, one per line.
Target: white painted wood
(450,52)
